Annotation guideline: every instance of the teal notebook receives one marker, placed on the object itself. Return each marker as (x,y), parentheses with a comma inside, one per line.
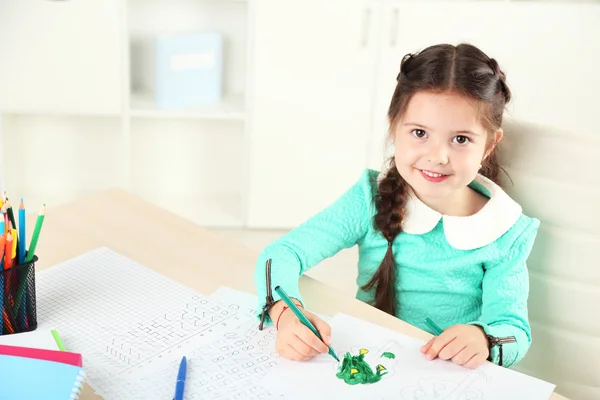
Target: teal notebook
(33,379)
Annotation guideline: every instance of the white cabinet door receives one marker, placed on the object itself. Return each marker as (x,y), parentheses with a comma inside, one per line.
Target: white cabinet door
(311,105)
(60,56)
(549,52)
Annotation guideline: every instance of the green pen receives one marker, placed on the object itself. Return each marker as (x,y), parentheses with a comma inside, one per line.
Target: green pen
(433,326)
(302,317)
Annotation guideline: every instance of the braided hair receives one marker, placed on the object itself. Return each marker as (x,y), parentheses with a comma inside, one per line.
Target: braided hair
(462,69)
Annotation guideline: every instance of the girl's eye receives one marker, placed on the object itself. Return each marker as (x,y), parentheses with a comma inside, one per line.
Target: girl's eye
(461,139)
(419,133)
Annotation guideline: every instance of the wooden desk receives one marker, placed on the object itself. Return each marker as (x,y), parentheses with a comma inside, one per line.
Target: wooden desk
(142,232)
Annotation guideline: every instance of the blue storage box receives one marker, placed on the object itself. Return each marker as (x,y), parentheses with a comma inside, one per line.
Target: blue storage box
(188,70)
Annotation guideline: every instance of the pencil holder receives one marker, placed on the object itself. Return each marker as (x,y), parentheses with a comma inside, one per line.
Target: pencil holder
(17,301)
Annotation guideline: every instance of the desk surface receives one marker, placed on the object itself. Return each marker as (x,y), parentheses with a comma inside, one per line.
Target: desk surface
(142,232)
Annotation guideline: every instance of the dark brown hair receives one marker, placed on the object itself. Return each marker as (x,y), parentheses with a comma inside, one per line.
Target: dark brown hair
(461,69)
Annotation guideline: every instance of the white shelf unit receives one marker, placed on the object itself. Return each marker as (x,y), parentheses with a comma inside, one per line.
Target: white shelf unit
(306,87)
(230,108)
(189,161)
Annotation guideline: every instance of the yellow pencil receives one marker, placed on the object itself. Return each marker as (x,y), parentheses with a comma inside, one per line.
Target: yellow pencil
(14,245)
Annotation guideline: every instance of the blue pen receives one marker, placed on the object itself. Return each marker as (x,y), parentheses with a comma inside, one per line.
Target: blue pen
(180,384)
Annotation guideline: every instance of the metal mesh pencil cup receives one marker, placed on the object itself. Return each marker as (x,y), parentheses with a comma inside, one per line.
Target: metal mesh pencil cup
(17,300)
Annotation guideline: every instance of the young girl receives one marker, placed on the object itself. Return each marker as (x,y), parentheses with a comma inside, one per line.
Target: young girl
(437,236)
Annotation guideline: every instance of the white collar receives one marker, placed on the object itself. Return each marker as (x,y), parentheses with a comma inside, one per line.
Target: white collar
(496,217)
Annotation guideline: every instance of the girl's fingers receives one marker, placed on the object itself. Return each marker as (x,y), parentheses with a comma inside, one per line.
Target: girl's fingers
(310,339)
(427,345)
(323,328)
(463,356)
(301,347)
(475,361)
(439,343)
(291,353)
(452,349)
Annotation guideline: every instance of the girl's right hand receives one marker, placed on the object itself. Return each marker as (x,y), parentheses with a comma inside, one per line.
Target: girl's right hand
(297,342)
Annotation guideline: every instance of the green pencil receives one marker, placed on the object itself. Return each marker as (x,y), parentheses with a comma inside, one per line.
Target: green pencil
(30,255)
(302,317)
(433,326)
(36,234)
(58,340)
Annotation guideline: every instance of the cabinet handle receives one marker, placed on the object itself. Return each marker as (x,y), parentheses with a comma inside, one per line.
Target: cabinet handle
(394,27)
(366,24)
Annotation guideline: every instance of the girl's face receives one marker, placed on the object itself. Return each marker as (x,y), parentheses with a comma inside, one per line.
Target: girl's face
(440,145)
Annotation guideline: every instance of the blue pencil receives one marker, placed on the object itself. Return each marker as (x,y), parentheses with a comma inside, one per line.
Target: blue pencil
(22,233)
(23,274)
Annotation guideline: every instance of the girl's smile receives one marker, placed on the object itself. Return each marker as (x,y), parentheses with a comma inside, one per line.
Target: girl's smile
(433,176)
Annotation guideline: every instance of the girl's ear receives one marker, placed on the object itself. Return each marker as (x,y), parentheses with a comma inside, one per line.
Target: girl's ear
(498,135)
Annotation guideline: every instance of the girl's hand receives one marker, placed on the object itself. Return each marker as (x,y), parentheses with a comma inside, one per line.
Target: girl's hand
(463,344)
(296,342)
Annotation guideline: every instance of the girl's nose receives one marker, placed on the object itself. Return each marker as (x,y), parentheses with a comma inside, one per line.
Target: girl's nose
(438,154)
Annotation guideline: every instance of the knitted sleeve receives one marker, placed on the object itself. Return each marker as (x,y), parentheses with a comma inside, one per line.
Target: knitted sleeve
(341,225)
(504,315)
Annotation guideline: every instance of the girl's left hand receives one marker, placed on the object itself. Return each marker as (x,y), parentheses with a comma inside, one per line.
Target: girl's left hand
(463,344)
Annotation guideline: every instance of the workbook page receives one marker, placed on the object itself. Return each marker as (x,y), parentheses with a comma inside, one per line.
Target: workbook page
(383,364)
(125,318)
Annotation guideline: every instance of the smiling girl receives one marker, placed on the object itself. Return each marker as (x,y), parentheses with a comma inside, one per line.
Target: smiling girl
(437,236)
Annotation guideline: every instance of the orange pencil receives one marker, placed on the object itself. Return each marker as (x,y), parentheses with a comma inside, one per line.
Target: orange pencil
(6,320)
(8,251)
(2,247)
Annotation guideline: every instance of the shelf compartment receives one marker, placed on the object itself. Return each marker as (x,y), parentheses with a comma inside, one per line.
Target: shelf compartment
(52,159)
(230,108)
(190,167)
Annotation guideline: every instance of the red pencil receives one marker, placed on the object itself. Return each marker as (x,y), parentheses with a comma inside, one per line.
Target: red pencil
(6,320)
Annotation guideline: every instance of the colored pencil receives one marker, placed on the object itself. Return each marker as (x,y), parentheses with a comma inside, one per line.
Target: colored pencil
(36,234)
(433,326)
(2,240)
(21,260)
(8,248)
(22,233)
(11,218)
(5,217)
(30,255)
(6,251)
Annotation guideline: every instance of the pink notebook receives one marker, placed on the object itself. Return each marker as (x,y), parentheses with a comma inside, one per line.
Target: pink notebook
(64,357)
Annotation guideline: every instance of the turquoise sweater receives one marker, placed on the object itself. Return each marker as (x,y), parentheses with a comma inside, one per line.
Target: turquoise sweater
(487,285)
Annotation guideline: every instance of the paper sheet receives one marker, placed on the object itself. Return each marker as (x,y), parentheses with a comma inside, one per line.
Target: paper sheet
(409,375)
(250,301)
(133,325)
(228,364)
(129,321)
(38,339)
